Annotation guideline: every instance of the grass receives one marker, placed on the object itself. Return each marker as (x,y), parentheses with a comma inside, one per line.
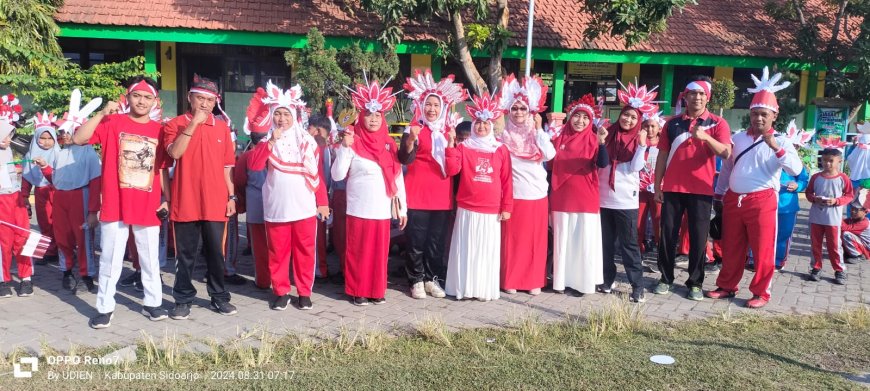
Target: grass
(609,349)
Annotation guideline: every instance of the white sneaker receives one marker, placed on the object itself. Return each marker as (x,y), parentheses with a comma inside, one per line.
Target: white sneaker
(417,291)
(433,289)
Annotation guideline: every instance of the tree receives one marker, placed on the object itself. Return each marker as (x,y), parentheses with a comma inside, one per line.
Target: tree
(722,95)
(359,64)
(317,71)
(843,50)
(491,34)
(28,46)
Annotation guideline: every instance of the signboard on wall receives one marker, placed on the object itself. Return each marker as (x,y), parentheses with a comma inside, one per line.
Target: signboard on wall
(591,70)
(832,122)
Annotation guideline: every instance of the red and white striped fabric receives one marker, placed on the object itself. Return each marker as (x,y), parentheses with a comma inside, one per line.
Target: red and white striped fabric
(36,245)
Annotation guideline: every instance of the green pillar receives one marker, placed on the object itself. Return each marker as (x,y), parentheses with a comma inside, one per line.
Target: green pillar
(812,90)
(558,86)
(667,88)
(150,57)
(864,114)
(436,67)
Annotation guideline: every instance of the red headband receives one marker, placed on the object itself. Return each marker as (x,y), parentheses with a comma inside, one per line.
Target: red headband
(142,86)
(698,85)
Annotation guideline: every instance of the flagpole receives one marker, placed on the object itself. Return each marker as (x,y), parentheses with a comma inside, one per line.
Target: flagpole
(529,38)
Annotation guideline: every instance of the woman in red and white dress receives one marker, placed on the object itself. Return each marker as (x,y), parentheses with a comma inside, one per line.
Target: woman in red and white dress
(294,194)
(524,235)
(485,198)
(375,194)
(574,201)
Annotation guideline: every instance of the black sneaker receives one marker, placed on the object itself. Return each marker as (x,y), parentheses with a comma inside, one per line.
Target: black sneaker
(637,295)
(601,288)
(131,279)
(137,285)
(378,301)
(855,260)
(101,321)
(280,303)
(67,280)
(712,267)
(25,288)
(359,301)
(235,279)
(155,313)
(5,290)
(224,307)
(815,275)
(89,283)
(181,311)
(840,278)
(305,303)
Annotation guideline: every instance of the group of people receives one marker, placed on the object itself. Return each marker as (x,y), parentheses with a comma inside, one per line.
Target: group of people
(487,197)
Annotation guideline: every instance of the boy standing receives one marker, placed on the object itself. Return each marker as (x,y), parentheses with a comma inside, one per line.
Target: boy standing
(828,191)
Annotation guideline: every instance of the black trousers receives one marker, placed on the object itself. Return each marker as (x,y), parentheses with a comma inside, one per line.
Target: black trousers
(188,237)
(698,208)
(619,227)
(426,235)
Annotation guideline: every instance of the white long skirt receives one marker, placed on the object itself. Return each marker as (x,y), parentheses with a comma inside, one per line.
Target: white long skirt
(577,256)
(475,256)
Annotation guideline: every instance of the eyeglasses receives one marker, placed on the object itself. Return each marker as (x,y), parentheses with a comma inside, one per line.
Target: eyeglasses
(519,108)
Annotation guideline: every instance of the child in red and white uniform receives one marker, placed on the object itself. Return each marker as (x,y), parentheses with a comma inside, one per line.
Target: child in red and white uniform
(748,190)
(249,189)
(294,194)
(648,209)
(828,191)
(484,199)
(75,176)
(13,209)
(43,145)
(580,152)
(856,230)
(375,193)
(524,235)
(132,186)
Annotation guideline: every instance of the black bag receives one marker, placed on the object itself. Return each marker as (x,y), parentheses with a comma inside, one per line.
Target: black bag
(716,227)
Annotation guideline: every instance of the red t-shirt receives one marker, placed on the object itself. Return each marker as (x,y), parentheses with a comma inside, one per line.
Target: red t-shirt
(132,160)
(426,187)
(199,188)
(693,165)
(485,179)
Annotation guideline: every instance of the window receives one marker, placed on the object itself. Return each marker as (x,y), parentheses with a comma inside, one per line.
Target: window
(241,76)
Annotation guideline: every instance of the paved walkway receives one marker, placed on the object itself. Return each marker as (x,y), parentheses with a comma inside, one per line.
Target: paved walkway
(60,318)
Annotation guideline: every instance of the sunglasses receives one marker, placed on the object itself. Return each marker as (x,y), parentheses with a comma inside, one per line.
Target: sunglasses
(520,108)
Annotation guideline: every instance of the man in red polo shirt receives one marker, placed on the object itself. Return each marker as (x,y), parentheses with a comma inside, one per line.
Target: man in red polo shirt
(202,195)
(685,169)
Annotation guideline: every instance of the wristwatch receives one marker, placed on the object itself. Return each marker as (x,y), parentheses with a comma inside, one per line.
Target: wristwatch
(233,198)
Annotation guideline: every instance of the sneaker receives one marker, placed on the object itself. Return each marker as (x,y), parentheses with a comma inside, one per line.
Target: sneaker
(662,288)
(855,260)
(25,288)
(181,311)
(535,292)
(712,268)
(510,291)
(305,303)
(235,279)
(67,280)
(280,303)
(756,302)
(5,290)
(695,294)
(559,291)
(637,295)
(89,283)
(418,291)
(155,313)
(601,288)
(433,289)
(359,301)
(720,293)
(378,301)
(840,278)
(137,285)
(131,279)
(101,321)
(778,268)
(815,275)
(224,307)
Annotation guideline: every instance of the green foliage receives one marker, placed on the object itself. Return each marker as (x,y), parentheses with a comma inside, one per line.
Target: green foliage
(356,62)
(477,35)
(28,47)
(317,71)
(52,93)
(722,94)
(394,12)
(634,20)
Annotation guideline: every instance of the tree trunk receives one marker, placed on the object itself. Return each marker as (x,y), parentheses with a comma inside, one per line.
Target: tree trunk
(463,54)
(495,68)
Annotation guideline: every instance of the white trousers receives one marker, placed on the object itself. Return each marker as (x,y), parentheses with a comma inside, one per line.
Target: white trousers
(577,255)
(114,242)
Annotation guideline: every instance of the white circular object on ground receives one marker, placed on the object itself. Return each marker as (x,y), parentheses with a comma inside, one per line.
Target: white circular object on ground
(662,359)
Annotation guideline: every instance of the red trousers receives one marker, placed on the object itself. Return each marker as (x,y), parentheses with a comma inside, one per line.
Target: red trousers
(339,224)
(44,203)
(649,205)
(524,246)
(292,240)
(69,216)
(750,223)
(365,269)
(259,247)
(320,250)
(14,211)
(831,236)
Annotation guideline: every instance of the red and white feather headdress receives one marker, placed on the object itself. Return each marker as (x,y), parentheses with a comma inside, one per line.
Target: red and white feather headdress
(484,107)
(77,115)
(44,120)
(655,115)
(156,113)
(639,98)
(830,142)
(9,108)
(765,90)
(423,84)
(798,138)
(587,104)
(264,102)
(532,92)
(373,97)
